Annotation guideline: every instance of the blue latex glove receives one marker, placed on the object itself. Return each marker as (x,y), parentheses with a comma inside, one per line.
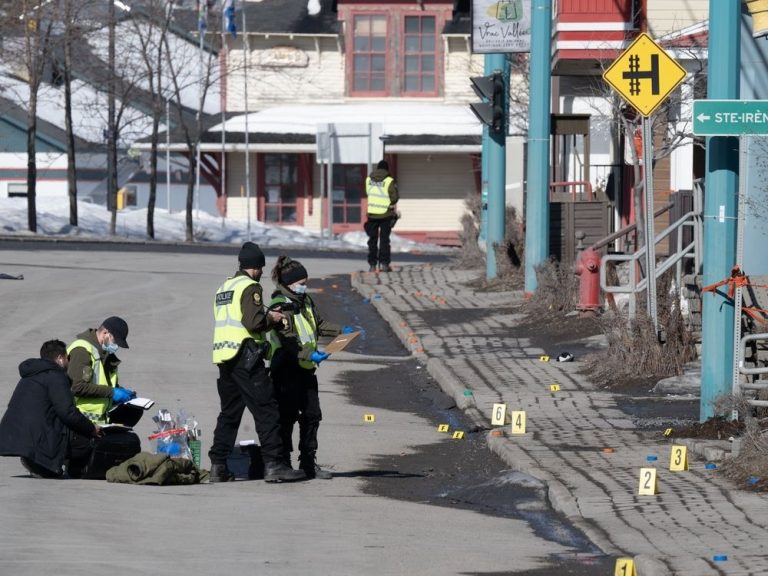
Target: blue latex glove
(120,395)
(318,356)
(347,330)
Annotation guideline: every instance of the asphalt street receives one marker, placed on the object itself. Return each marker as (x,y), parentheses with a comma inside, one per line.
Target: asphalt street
(405,497)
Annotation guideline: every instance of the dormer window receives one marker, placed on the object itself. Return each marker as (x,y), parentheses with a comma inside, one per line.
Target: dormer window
(395,54)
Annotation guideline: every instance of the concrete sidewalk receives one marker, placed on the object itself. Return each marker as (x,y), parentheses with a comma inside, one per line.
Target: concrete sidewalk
(467,341)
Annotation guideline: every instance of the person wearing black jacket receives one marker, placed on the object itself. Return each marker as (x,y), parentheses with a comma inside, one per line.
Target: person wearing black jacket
(41,415)
(294,360)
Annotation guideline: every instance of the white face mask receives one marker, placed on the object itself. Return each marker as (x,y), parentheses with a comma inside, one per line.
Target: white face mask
(298,288)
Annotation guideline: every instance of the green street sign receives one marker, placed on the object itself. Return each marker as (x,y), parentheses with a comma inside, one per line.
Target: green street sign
(730,117)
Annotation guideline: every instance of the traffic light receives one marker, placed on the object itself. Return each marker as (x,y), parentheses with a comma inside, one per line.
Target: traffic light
(492,109)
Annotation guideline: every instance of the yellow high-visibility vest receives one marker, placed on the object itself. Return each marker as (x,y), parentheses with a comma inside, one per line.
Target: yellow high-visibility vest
(378,195)
(95,409)
(305,326)
(228,331)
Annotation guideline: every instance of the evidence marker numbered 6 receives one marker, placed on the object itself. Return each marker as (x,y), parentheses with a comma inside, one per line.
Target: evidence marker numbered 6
(498,415)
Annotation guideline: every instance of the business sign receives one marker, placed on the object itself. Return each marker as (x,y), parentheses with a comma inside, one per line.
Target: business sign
(730,117)
(644,75)
(500,26)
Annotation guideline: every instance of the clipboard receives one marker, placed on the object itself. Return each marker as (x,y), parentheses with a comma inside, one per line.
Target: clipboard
(340,342)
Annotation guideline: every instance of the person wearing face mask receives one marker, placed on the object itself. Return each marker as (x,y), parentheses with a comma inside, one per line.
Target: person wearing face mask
(239,351)
(41,417)
(93,368)
(294,359)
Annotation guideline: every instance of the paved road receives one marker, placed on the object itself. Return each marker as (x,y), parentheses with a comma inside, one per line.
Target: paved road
(87,527)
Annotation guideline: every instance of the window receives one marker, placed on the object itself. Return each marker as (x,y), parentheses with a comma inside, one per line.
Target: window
(348,184)
(369,58)
(419,55)
(281,183)
(17,189)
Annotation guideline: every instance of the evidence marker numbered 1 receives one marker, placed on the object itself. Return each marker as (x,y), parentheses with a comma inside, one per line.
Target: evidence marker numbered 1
(648,484)
(498,415)
(458,435)
(678,459)
(442,428)
(518,422)
(625,567)
(369,418)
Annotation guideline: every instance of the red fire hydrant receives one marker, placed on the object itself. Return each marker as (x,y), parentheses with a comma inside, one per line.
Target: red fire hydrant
(588,269)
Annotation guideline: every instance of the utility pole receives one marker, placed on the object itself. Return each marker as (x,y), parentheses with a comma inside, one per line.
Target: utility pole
(111,128)
(537,167)
(492,112)
(720,208)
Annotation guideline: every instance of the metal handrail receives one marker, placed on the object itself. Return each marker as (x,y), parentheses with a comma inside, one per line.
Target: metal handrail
(634,287)
(628,229)
(752,371)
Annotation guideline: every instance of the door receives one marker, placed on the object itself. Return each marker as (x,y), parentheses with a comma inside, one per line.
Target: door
(349,203)
(279,189)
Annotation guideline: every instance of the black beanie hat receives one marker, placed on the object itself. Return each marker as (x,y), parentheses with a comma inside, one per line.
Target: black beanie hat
(292,273)
(383,165)
(251,256)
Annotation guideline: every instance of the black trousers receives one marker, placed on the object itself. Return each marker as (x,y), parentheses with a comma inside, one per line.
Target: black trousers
(378,231)
(299,401)
(242,385)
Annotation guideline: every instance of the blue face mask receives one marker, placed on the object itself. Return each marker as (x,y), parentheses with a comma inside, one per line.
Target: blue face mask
(299,288)
(110,348)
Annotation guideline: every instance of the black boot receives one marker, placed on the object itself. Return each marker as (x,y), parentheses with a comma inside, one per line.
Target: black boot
(220,473)
(277,471)
(312,469)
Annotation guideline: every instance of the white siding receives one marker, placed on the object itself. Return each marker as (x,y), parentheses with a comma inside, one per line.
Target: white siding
(430,216)
(432,190)
(321,80)
(460,65)
(665,16)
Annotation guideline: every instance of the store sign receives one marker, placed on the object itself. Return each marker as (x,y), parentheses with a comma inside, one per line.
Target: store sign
(500,26)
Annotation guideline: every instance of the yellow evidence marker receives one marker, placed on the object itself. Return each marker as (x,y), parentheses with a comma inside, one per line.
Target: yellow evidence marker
(518,422)
(668,432)
(498,414)
(458,435)
(554,387)
(369,418)
(543,358)
(678,460)
(442,428)
(625,567)
(648,485)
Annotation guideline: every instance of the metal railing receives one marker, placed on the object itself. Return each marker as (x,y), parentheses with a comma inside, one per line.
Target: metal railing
(760,384)
(692,250)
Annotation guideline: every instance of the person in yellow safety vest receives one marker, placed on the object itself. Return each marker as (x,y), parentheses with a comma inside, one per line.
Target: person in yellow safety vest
(295,357)
(93,368)
(239,350)
(381,189)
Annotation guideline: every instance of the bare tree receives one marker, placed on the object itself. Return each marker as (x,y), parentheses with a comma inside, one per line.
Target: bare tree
(185,73)
(72,31)
(151,37)
(29,43)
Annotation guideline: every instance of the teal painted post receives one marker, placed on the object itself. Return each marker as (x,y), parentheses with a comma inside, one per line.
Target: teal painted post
(537,167)
(497,176)
(720,208)
(488,70)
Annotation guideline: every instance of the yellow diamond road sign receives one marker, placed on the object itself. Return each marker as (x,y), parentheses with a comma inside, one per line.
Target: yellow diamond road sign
(644,74)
